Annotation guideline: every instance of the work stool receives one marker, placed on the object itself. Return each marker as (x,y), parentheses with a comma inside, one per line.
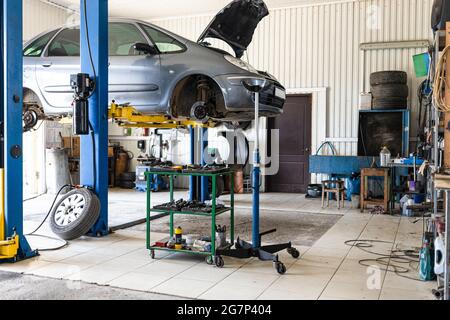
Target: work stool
(335,187)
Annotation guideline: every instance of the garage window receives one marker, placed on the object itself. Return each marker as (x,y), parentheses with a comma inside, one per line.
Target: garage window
(122,37)
(37,46)
(66,44)
(164,42)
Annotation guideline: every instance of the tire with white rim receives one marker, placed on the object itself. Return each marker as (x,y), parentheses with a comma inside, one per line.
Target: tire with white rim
(74,214)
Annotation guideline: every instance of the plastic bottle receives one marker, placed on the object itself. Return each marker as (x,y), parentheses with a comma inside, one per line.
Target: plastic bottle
(385,157)
(178,238)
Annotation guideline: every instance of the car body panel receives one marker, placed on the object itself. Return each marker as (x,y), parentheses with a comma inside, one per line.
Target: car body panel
(236,23)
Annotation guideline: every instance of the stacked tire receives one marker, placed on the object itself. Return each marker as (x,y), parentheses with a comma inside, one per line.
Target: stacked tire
(127,180)
(389,90)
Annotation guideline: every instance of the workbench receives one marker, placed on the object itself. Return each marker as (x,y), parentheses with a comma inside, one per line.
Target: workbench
(377,173)
(210,255)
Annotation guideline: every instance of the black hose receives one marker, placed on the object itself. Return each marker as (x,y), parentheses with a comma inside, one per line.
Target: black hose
(94,159)
(88,41)
(392,261)
(33,233)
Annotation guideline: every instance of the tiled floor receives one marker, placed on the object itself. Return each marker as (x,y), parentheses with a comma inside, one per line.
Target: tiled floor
(329,269)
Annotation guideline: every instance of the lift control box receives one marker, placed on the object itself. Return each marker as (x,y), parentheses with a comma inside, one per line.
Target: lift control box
(82,85)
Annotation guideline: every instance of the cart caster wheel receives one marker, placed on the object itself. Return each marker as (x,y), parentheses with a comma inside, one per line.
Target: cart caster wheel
(152,254)
(294,253)
(219,262)
(281,268)
(209,260)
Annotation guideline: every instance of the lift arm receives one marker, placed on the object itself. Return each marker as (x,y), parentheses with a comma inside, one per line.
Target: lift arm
(128,117)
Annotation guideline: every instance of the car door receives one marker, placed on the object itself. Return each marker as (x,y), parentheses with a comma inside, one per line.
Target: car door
(134,77)
(171,60)
(59,61)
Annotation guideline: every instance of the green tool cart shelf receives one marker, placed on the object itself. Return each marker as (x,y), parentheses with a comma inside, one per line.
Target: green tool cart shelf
(211,257)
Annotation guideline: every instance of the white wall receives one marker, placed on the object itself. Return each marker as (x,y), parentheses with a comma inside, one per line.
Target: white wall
(316,46)
(37,17)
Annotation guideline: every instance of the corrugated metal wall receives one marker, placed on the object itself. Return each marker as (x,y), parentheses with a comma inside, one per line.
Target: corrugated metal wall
(317,45)
(39,16)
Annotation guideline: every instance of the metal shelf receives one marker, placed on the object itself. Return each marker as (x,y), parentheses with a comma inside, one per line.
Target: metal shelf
(215,212)
(194,213)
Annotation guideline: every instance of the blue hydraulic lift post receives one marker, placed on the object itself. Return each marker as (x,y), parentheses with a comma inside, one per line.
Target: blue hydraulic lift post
(94,161)
(11,116)
(192,161)
(204,192)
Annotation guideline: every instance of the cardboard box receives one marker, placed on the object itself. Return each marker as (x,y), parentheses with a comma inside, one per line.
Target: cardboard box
(442,181)
(72,144)
(110,152)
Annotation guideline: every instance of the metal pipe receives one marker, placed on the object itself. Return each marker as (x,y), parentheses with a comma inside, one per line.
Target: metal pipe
(436,131)
(11,18)
(256,239)
(94,61)
(204,190)
(192,161)
(447,246)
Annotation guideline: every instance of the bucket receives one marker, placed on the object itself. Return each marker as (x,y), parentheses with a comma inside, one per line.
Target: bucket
(56,169)
(419,198)
(356,198)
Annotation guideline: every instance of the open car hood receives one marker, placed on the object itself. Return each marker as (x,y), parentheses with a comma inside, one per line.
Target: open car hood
(236,23)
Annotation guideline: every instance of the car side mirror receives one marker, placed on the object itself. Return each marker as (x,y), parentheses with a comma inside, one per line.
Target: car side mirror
(145,48)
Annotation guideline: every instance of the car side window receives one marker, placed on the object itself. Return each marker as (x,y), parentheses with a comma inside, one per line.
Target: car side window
(122,37)
(164,42)
(65,44)
(36,48)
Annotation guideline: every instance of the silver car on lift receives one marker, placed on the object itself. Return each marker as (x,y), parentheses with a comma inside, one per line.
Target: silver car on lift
(157,71)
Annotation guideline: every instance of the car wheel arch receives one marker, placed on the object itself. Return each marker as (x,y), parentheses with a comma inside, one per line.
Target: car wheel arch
(30,97)
(183,95)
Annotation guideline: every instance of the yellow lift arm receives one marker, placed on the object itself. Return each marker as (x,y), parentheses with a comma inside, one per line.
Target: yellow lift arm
(128,117)
(8,247)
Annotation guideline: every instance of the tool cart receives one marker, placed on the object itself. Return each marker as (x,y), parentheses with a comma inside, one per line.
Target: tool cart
(211,257)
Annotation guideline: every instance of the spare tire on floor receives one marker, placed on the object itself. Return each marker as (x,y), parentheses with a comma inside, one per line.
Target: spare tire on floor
(128,176)
(382,91)
(388,77)
(75,214)
(390,103)
(124,184)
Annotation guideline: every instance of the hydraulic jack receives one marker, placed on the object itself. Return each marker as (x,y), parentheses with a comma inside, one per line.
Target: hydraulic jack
(245,250)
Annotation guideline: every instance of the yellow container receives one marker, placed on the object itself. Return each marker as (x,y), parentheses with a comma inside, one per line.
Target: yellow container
(178,238)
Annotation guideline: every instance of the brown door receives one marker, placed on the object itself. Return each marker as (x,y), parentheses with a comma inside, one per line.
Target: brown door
(295,146)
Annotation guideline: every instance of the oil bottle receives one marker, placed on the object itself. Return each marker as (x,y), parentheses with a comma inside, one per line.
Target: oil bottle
(178,238)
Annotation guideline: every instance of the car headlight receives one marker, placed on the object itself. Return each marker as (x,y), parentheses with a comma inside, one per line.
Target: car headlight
(240,63)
